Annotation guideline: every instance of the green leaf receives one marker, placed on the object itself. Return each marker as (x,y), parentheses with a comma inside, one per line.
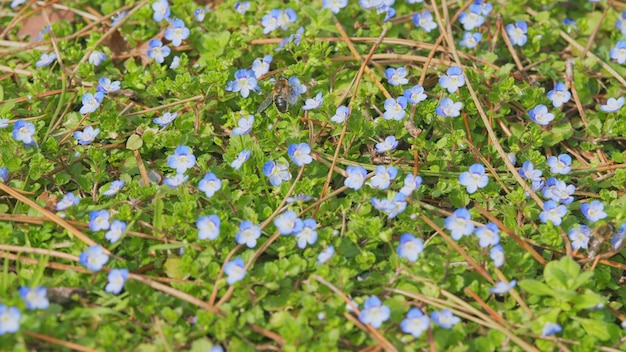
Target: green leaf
(536,287)
(594,327)
(134,142)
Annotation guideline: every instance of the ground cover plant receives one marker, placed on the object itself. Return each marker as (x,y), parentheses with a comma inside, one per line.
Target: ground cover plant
(312,176)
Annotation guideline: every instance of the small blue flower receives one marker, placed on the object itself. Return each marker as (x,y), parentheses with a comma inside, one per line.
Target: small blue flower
(116,231)
(355,177)
(593,211)
(374,312)
(244,82)
(300,154)
(177,32)
(415,323)
(459,223)
(277,172)
(176,180)
(241,158)
(326,255)
(411,183)
(307,235)
(105,85)
(444,318)
(157,51)
(558,191)
(242,7)
(415,94)
(182,159)
(391,207)
(166,119)
(99,220)
(23,131)
(618,238)
(389,144)
(424,21)
(261,66)
(579,236)
(569,24)
(175,62)
(14,4)
(210,184)
(9,319)
(298,198)
(4,123)
(217,348)
(4,174)
(517,32)
(410,247)
(297,89)
(471,39)
(529,172)
(512,158)
(341,114)
(68,200)
(93,258)
(619,52)
(453,79)
(394,108)
(488,235)
(244,126)
(91,102)
(297,38)
(46,60)
(612,105)
(472,19)
(285,18)
(288,223)
(497,255)
(161,10)
(270,21)
(115,187)
(117,278)
(474,179)
(560,165)
(235,270)
(383,176)
(334,5)
(448,108)
(553,212)
(117,18)
(621,23)
(34,298)
(248,234)
(502,287)
(208,227)
(96,58)
(199,14)
(550,329)
(485,8)
(396,77)
(559,95)
(314,103)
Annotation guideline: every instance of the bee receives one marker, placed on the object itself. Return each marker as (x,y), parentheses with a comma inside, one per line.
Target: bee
(600,235)
(280,95)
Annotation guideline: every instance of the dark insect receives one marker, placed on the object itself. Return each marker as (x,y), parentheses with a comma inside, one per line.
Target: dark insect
(600,235)
(280,95)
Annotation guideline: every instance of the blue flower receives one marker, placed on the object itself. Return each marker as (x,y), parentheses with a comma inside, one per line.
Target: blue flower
(314,103)
(502,287)
(297,89)
(4,123)
(14,4)
(4,174)
(517,32)
(116,231)
(46,60)
(217,348)
(459,223)
(579,236)
(512,158)
(383,176)
(300,154)
(161,10)
(570,25)
(244,82)
(242,7)
(550,329)
(176,180)
(244,126)
(488,235)
(235,270)
(619,52)
(389,144)
(618,238)
(415,323)
(341,114)
(288,223)
(106,86)
(297,38)
(474,179)
(117,278)
(93,258)
(485,8)
(497,255)
(593,211)
(326,255)
(396,77)
(270,21)
(394,108)
(241,158)
(210,184)
(261,67)
(91,102)
(470,40)
(621,23)
(177,33)
(334,5)
(453,80)
(157,51)
(182,159)
(96,58)
(68,200)
(529,172)
(425,21)
(248,234)
(115,187)
(23,131)
(175,62)
(391,207)
(307,235)
(374,312)
(411,183)
(355,177)
(117,18)
(472,19)
(277,172)
(99,220)
(34,298)
(560,165)
(558,191)
(285,18)
(415,94)
(199,14)
(166,119)
(410,247)
(444,318)
(208,227)
(448,108)
(553,212)
(559,95)
(9,319)
(612,105)
(299,197)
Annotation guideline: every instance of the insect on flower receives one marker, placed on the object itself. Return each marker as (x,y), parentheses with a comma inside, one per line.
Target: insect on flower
(279,95)
(599,236)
